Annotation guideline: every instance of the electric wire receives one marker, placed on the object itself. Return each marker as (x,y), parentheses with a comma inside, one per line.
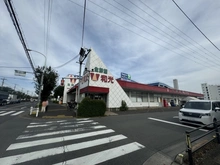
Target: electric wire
(15,21)
(197,45)
(167,27)
(157,38)
(163,32)
(84,18)
(50,5)
(66,62)
(196,26)
(195,61)
(14,67)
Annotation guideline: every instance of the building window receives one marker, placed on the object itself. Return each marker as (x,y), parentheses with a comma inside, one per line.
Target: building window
(139,97)
(133,96)
(145,97)
(151,97)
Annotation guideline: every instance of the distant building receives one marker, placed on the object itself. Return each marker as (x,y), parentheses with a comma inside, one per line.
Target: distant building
(175,84)
(211,92)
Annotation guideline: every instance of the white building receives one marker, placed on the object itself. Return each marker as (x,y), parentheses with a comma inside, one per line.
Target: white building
(211,92)
(98,83)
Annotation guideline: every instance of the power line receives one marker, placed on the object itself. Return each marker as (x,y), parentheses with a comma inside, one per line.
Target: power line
(205,61)
(170,37)
(190,42)
(66,62)
(196,26)
(84,18)
(15,21)
(13,67)
(167,27)
(193,59)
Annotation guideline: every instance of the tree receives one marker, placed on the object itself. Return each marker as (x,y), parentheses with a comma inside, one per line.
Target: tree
(58,91)
(49,81)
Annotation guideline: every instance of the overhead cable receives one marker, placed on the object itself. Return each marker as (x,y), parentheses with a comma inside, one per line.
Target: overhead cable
(196,26)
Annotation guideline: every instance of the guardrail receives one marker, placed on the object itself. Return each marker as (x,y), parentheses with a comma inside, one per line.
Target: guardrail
(189,142)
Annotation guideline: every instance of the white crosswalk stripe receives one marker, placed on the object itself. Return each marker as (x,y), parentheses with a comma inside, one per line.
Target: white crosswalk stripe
(11,113)
(6,113)
(17,113)
(29,146)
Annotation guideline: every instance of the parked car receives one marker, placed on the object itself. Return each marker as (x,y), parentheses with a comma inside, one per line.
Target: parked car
(3,102)
(201,112)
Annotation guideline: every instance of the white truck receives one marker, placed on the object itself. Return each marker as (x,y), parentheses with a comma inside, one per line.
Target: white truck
(12,99)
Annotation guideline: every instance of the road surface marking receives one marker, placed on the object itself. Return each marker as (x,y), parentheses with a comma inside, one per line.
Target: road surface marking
(60,150)
(176,117)
(3,114)
(55,127)
(76,122)
(50,122)
(105,155)
(23,107)
(42,125)
(57,139)
(60,132)
(14,114)
(168,122)
(2,111)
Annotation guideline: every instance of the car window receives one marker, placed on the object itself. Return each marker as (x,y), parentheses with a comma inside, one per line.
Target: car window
(198,105)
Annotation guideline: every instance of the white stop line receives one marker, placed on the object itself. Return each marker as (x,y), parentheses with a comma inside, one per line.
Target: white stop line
(181,125)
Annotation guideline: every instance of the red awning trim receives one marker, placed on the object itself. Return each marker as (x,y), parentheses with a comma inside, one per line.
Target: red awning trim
(72,89)
(145,87)
(92,89)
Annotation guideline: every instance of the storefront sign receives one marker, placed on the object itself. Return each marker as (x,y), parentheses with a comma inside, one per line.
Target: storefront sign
(125,76)
(102,78)
(100,70)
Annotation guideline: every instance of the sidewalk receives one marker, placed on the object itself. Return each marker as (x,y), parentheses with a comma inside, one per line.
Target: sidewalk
(60,111)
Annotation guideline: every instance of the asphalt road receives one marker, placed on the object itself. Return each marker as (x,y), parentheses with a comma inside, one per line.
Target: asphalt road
(123,139)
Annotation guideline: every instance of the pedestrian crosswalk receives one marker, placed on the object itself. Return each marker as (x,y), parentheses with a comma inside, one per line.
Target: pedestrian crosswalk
(75,142)
(11,113)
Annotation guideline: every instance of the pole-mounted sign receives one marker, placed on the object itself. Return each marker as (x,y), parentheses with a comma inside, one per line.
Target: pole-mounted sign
(20,73)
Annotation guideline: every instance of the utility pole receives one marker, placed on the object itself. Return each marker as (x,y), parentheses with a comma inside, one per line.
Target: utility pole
(15,87)
(3,80)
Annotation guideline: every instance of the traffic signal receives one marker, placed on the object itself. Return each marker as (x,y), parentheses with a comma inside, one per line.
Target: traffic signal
(62,82)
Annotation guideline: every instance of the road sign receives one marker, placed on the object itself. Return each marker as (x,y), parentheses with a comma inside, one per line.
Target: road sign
(20,73)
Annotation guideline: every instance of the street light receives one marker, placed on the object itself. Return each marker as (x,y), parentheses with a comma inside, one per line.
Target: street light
(42,76)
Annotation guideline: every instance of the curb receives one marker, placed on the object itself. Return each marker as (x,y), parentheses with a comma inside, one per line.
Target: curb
(56,117)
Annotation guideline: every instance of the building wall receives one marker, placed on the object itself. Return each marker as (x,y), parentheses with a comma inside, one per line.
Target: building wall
(211,92)
(100,76)
(69,82)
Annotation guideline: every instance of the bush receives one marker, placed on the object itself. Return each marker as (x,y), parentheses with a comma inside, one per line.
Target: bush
(124,106)
(55,101)
(90,108)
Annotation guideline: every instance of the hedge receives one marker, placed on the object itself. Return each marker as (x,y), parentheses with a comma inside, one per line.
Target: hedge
(91,108)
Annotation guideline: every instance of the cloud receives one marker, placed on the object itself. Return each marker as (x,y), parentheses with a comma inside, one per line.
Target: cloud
(138,41)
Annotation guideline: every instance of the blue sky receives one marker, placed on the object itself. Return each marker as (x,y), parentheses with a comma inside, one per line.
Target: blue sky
(150,40)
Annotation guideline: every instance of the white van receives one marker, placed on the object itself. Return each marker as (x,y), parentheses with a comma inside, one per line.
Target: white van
(200,112)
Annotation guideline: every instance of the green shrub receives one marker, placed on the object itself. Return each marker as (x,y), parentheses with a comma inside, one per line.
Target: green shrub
(55,101)
(90,108)
(123,106)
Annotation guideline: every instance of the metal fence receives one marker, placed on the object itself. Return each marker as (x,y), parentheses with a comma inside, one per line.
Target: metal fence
(189,142)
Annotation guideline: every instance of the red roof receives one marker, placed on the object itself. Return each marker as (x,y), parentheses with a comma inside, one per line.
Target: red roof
(90,89)
(155,89)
